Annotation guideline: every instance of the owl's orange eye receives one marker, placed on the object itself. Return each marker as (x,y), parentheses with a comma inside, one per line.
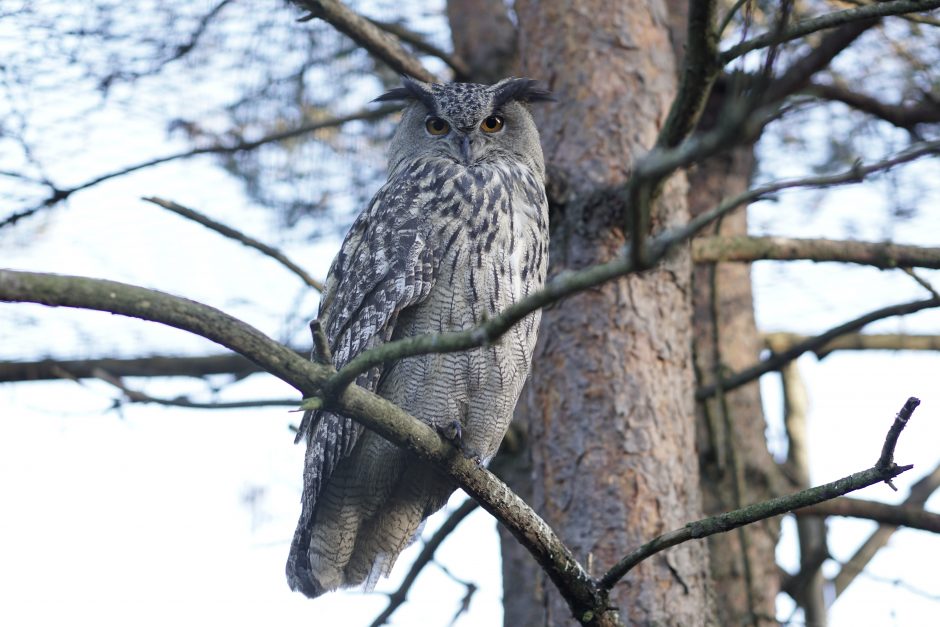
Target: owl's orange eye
(437,126)
(492,124)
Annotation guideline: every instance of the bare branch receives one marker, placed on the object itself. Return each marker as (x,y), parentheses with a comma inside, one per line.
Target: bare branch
(775,361)
(759,511)
(234,234)
(58,195)
(880,255)
(897,515)
(829,20)
(361,30)
(397,598)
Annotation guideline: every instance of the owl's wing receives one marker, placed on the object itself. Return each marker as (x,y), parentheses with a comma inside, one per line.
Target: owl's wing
(384,266)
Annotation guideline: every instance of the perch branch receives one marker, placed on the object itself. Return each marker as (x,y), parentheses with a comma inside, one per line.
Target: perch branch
(774,507)
(370,410)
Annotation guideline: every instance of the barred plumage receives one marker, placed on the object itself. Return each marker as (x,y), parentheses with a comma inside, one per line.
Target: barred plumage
(458,233)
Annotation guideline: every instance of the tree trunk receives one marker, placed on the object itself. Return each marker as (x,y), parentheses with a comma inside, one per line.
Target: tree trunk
(609,403)
(736,467)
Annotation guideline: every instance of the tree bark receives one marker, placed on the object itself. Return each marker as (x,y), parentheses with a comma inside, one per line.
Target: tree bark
(609,404)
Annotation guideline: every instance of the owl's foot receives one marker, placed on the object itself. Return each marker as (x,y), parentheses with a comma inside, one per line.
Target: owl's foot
(453,432)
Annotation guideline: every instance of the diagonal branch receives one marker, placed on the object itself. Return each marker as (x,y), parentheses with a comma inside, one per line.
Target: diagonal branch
(829,20)
(881,471)
(775,361)
(906,116)
(243,145)
(569,283)
(418,42)
(237,235)
(368,35)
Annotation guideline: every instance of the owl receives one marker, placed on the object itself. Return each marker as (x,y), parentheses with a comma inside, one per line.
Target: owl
(458,233)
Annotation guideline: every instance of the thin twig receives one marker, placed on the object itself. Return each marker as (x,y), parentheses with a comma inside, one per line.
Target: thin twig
(136,396)
(759,511)
(917,497)
(924,283)
(397,598)
(237,235)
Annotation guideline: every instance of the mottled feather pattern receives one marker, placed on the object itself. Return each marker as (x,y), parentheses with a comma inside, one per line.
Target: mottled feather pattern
(444,244)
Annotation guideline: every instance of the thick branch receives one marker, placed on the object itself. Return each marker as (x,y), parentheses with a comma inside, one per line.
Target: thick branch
(775,361)
(829,20)
(880,255)
(458,65)
(897,515)
(238,236)
(370,410)
(365,33)
(759,511)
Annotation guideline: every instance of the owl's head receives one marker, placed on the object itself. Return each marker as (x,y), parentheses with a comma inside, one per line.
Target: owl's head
(467,123)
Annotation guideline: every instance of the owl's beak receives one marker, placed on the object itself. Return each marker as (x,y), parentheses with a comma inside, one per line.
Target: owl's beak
(465,146)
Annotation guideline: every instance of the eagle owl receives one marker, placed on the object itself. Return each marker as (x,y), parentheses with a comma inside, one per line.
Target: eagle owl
(458,233)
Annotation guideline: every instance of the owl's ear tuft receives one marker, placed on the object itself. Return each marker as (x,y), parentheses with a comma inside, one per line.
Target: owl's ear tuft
(411,89)
(521,89)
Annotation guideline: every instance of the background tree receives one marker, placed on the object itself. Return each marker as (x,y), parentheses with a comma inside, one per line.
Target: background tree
(609,420)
